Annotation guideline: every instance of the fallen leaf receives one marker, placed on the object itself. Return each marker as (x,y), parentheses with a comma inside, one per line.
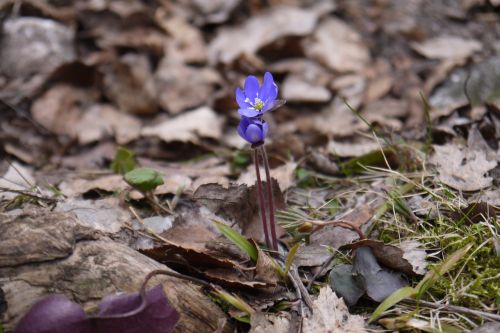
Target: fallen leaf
(330,314)
(102,120)
(447,47)
(265,268)
(129,83)
(210,12)
(492,327)
(352,148)
(296,89)
(261,322)
(180,87)
(59,109)
(284,174)
(188,127)
(258,31)
(343,283)
(377,281)
(475,212)
(409,258)
(338,46)
(462,168)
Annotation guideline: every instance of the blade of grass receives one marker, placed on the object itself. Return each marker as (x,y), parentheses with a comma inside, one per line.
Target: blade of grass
(238,240)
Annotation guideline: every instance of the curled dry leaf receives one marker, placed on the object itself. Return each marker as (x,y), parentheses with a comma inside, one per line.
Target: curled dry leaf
(330,314)
(188,127)
(338,46)
(462,168)
(409,258)
(265,268)
(258,31)
(446,47)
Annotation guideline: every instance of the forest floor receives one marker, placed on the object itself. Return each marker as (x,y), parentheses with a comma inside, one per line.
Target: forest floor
(121,117)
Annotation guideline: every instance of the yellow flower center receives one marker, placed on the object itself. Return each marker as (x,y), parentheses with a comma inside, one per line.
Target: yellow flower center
(258,104)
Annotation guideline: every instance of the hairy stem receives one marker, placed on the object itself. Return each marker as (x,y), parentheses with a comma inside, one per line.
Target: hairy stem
(270,198)
(261,198)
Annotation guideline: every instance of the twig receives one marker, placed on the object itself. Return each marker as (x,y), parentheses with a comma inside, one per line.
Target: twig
(270,198)
(296,280)
(453,308)
(132,210)
(261,198)
(320,271)
(340,223)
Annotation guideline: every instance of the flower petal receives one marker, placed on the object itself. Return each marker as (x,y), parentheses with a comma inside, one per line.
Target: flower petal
(251,87)
(253,134)
(269,89)
(240,98)
(249,113)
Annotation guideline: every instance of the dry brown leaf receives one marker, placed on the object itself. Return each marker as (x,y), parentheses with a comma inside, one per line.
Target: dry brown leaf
(258,31)
(297,89)
(59,109)
(338,46)
(284,174)
(337,120)
(101,120)
(187,44)
(447,47)
(265,268)
(409,258)
(462,168)
(180,87)
(188,127)
(352,149)
(330,314)
(129,83)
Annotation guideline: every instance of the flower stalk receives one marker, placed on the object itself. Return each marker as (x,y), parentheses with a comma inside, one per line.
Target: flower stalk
(270,198)
(261,198)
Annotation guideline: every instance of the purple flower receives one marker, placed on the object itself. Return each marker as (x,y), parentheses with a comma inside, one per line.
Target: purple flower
(253,130)
(255,99)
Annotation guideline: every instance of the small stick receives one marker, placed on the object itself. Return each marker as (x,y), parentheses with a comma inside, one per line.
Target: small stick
(294,276)
(269,184)
(453,308)
(340,223)
(261,198)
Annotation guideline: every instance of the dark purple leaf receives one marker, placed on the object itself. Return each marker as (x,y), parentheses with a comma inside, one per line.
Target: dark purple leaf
(379,282)
(118,314)
(54,314)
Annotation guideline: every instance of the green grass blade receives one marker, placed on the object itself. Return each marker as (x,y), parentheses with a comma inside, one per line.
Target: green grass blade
(290,256)
(238,240)
(392,299)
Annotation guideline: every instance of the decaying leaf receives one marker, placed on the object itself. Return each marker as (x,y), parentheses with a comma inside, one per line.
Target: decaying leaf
(284,174)
(352,149)
(330,314)
(446,47)
(297,89)
(338,46)
(188,127)
(378,282)
(180,87)
(261,30)
(269,322)
(344,283)
(462,168)
(408,258)
(101,120)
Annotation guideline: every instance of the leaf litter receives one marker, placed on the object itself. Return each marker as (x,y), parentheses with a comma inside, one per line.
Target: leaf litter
(415,182)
